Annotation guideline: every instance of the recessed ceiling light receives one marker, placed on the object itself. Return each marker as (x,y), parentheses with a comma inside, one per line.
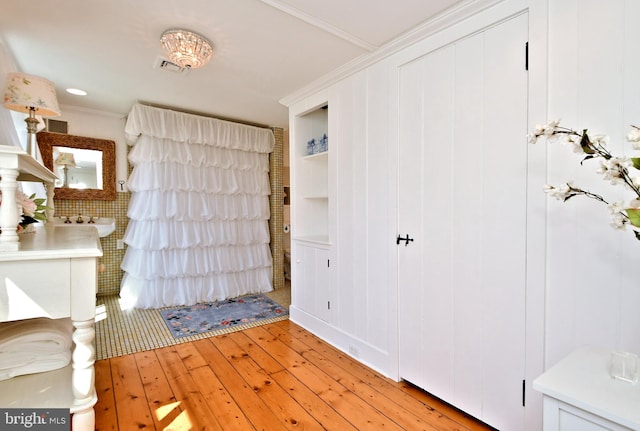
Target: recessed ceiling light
(76,91)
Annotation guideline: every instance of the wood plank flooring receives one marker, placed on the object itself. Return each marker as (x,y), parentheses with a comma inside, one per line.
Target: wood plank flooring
(273,377)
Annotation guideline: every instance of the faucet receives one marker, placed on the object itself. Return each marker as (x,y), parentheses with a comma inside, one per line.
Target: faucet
(79,219)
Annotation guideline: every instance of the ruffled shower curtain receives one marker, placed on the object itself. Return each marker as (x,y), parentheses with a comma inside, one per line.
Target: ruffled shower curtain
(198,216)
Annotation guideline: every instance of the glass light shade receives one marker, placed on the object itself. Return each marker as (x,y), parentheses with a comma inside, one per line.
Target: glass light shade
(186,48)
(27,92)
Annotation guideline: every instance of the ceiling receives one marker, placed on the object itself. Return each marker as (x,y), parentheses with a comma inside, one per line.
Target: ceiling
(264,50)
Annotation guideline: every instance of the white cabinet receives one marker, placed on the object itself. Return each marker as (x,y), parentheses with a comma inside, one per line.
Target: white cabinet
(579,395)
(312,280)
(310,208)
(54,275)
(50,273)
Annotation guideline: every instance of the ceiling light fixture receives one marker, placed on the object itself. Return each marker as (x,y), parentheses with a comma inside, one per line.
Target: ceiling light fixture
(76,91)
(186,48)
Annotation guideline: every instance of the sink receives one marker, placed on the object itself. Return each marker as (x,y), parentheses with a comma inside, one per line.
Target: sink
(105,225)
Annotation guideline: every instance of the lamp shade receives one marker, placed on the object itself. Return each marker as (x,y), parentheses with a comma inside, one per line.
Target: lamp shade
(27,92)
(65,159)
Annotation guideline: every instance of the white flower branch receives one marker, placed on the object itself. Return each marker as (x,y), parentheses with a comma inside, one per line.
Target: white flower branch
(616,170)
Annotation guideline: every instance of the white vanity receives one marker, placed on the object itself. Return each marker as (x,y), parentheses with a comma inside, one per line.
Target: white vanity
(580,395)
(49,273)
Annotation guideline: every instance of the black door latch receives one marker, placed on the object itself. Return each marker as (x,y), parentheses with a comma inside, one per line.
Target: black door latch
(406,240)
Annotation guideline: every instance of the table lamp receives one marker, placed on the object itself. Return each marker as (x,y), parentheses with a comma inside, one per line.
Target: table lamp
(65,160)
(33,95)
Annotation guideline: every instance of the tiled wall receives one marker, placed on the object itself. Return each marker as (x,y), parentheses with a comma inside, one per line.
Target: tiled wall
(276,224)
(109,280)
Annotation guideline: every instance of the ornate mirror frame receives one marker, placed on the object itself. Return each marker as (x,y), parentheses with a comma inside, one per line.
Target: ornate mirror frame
(48,140)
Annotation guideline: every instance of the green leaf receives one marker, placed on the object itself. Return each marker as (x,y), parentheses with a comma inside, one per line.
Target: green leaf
(634,216)
(40,216)
(636,162)
(585,143)
(587,158)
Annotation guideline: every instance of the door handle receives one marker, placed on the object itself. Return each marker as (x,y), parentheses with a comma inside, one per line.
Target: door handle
(406,240)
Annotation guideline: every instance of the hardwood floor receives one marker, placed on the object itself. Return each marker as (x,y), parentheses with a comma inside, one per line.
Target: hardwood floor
(273,377)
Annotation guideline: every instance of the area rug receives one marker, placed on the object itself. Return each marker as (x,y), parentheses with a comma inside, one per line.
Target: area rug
(213,316)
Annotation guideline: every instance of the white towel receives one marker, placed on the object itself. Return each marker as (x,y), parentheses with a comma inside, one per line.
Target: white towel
(33,346)
(36,364)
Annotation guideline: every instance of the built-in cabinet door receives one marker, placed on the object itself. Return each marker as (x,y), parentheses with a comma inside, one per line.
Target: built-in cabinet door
(312,284)
(462,196)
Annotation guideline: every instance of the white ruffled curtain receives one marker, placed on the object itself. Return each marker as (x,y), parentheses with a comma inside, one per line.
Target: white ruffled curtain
(199,209)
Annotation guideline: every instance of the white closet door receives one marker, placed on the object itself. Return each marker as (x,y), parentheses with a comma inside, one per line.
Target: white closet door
(463,164)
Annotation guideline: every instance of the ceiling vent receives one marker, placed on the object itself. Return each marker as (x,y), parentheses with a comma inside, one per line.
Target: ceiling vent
(56,126)
(164,64)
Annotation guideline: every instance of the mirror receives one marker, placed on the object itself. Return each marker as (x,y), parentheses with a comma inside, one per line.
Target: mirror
(86,167)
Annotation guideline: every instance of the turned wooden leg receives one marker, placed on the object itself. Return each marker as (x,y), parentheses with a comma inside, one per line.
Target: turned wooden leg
(83,358)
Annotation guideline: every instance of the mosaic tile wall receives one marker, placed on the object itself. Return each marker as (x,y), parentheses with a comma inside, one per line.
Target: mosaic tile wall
(109,280)
(276,223)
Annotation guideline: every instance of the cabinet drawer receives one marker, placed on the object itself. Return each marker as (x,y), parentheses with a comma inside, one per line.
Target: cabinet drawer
(559,416)
(35,288)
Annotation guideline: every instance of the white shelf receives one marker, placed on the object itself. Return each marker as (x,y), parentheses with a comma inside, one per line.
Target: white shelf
(29,169)
(311,198)
(51,389)
(317,156)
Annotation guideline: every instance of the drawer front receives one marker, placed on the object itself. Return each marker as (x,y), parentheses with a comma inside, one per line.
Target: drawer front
(559,416)
(35,288)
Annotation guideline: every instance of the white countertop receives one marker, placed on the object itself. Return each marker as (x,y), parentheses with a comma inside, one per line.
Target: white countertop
(51,242)
(582,379)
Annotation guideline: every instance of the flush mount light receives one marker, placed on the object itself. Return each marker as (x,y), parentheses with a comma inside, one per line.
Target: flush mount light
(186,48)
(76,91)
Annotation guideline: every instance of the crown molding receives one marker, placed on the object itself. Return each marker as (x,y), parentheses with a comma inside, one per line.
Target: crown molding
(323,25)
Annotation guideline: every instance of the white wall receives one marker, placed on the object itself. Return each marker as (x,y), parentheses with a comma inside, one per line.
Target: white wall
(593,271)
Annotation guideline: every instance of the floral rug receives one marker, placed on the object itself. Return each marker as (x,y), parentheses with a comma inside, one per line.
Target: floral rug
(212,316)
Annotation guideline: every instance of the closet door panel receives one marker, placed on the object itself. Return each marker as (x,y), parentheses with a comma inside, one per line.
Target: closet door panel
(504,185)
(411,295)
(462,192)
(426,199)
(467,238)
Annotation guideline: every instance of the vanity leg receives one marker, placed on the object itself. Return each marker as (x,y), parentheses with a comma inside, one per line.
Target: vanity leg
(84,392)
